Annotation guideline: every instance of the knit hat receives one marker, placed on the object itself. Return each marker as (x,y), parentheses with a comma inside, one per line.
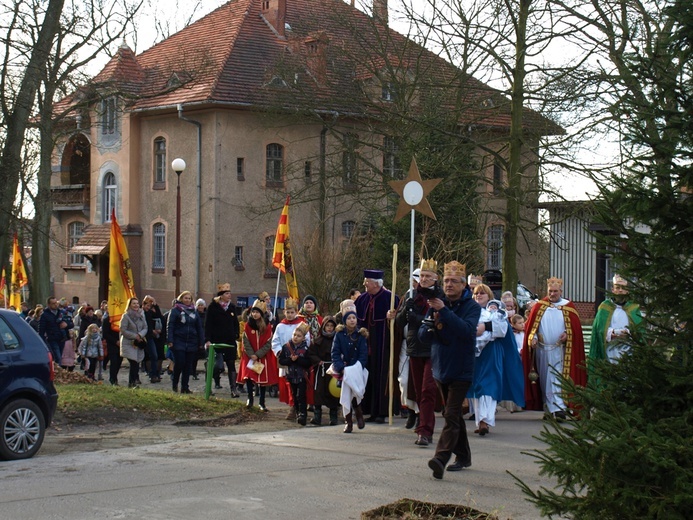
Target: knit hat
(199,302)
(311,298)
(347,314)
(346,305)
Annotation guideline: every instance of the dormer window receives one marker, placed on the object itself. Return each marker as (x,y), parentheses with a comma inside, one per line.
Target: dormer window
(388,92)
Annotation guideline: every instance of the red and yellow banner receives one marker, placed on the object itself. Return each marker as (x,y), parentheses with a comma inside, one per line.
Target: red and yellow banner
(19,278)
(282,252)
(121,286)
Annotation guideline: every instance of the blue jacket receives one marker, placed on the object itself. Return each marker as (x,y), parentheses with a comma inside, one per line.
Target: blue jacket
(347,349)
(184,330)
(49,326)
(453,339)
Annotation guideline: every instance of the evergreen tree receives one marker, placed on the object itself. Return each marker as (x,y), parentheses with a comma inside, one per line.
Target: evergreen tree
(629,452)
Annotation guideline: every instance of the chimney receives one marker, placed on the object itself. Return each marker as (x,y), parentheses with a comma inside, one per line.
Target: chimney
(380,11)
(274,11)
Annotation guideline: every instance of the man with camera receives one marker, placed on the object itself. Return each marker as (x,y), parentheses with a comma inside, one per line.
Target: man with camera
(450,329)
(411,314)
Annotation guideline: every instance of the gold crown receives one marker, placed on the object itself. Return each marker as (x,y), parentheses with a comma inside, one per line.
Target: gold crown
(620,280)
(263,295)
(475,279)
(290,304)
(259,304)
(303,327)
(455,268)
(554,281)
(223,287)
(429,265)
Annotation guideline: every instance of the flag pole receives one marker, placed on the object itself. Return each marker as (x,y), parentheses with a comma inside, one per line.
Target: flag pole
(390,384)
(276,292)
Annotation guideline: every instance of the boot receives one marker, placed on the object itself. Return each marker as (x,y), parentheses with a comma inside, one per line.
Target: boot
(333,417)
(317,416)
(302,419)
(411,420)
(349,427)
(360,422)
(249,403)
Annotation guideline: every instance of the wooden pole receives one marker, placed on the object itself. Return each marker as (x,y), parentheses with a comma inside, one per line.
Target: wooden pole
(390,383)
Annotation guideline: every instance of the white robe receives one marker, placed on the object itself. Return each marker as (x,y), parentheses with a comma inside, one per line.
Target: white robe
(354,381)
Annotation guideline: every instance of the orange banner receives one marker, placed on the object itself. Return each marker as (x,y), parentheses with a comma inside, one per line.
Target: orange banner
(19,278)
(282,252)
(120,282)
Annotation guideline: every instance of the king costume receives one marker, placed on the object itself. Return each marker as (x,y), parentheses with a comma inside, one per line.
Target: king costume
(547,322)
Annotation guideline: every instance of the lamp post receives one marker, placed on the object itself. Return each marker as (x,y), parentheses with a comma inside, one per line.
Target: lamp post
(178,166)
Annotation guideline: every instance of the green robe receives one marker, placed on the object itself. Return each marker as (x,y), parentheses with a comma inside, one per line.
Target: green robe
(601,324)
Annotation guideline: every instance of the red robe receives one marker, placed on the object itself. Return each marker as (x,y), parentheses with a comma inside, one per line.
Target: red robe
(262,346)
(573,354)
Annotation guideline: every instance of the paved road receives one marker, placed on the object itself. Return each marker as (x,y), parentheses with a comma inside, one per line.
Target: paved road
(168,472)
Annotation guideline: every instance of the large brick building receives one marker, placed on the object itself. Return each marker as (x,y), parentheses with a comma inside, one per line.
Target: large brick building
(223,94)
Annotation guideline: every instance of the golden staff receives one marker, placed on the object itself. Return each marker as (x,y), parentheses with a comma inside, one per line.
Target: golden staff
(390,384)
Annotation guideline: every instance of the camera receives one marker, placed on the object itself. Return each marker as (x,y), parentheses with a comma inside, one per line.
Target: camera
(435,291)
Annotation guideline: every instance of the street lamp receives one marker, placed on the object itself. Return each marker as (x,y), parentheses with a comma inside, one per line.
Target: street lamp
(178,166)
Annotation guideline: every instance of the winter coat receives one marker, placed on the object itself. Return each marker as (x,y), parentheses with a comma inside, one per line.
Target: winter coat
(91,347)
(347,348)
(296,370)
(185,330)
(453,339)
(131,324)
(221,326)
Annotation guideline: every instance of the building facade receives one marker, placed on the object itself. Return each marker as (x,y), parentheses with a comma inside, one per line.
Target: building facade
(216,95)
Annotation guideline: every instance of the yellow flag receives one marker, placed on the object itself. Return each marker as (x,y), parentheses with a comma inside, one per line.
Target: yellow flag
(19,278)
(3,289)
(282,252)
(120,283)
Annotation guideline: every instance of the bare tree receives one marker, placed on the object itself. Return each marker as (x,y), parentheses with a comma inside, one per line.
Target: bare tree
(17,109)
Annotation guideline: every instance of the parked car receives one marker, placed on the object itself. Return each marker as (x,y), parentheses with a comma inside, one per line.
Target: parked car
(494,279)
(27,395)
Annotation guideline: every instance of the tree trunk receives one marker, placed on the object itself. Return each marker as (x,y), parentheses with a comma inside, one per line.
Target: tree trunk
(17,120)
(514,191)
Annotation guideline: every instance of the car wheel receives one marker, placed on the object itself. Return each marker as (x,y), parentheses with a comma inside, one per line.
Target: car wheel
(22,428)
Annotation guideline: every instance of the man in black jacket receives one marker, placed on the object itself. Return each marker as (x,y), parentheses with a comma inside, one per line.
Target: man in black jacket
(221,326)
(412,313)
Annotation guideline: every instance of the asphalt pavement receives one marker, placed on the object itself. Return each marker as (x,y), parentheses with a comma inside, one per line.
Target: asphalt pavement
(168,471)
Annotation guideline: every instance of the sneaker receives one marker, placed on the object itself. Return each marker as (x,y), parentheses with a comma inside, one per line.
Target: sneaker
(422,441)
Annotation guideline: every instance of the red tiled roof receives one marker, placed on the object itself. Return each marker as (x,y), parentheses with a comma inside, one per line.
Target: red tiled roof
(232,55)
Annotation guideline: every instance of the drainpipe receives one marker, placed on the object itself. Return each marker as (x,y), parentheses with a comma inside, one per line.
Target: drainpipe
(199,194)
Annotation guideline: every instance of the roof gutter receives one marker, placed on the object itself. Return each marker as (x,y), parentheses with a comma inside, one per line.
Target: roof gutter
(179,107)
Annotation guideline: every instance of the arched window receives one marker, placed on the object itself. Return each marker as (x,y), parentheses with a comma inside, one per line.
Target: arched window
(275,163)
(494,245)
(110,191)
(75,231)
(159,247)
(159,163)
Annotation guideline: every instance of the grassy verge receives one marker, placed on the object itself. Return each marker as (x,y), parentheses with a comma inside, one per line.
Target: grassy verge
(89,400)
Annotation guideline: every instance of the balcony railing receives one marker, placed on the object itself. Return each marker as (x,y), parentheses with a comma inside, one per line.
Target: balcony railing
(70,197)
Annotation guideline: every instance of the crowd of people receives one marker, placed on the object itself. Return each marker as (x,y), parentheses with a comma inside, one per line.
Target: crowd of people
(456,348)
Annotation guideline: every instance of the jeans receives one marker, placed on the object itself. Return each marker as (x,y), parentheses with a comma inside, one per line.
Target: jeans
(56,350)
(453,438)
(182,368)
(153,358)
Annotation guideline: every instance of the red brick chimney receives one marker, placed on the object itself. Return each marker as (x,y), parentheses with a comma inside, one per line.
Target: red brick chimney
(380,11)
(274,12)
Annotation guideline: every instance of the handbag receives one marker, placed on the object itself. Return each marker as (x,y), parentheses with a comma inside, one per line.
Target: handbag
(140,344)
